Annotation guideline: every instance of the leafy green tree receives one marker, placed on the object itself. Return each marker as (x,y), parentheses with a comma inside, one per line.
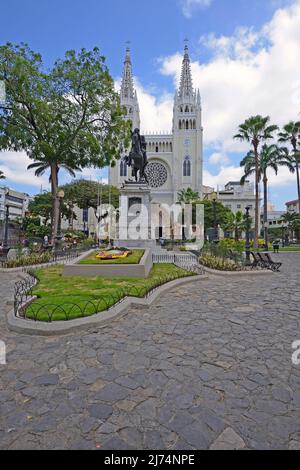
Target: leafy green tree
(85,194)
(69,116)
(291,134)
(41,206)
(292,222)
(214,210)
(270,157)
(188,196)
(235,223)
(256,130)
(31,227)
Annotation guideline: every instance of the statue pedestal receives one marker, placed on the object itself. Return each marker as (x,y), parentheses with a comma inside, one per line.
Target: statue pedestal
(134,226)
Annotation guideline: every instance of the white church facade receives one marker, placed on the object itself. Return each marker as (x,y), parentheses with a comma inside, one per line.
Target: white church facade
(175,159)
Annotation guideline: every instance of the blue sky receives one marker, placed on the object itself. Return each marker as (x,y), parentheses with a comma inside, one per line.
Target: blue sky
(228,63)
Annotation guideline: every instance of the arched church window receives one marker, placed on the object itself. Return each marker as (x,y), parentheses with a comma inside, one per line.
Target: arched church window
(156,149)
(123,168)
(194,124)
(187,167)
(180,127)
(187,125)
(187,109)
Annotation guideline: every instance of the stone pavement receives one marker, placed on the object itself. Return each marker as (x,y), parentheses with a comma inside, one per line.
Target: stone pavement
(207,366)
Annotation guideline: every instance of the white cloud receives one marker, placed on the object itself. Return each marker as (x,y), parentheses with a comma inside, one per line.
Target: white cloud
(219,159)
(188,6)
(226,174)
(156,113)
(251,72)
(14,166)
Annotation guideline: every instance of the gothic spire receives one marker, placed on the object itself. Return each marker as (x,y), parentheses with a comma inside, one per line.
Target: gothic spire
(127,89)
(186,83)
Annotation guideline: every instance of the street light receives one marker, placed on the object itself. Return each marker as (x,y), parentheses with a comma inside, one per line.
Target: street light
(5,241)
(61,195)
(216,231)
(248,246)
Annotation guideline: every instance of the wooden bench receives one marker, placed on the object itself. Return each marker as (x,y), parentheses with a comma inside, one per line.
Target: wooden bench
(269,263)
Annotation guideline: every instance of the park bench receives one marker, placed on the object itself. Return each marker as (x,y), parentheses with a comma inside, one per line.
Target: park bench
(269,263)
(257,261)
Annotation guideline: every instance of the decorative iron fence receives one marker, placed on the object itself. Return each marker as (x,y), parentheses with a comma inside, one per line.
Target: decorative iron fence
(41,258)
(25,306)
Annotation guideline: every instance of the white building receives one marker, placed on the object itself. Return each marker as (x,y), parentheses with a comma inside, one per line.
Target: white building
(292,206)
(17,202)
(237,197)
(175,159)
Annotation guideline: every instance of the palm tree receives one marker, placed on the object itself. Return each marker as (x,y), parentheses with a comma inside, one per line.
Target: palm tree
(292,221)
(291,133)
(40,167)
(256,130)
(271,156)
(235,223)
(2,177)
(188,196)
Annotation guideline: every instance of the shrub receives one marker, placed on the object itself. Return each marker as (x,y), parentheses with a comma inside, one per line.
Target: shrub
(221,264)
(33,259)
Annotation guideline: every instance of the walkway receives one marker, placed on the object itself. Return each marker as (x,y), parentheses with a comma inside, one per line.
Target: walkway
(208,365)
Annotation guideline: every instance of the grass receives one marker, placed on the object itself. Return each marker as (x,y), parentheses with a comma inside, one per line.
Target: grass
(283,249)
(61,298)
(134,258)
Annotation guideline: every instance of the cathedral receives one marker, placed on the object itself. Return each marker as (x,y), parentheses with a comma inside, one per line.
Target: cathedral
(176,159)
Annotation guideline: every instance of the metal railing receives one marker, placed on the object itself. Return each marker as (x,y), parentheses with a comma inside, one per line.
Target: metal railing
(54,257)
(27,307)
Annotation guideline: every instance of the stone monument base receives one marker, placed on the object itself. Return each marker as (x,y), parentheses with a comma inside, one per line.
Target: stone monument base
(143,244)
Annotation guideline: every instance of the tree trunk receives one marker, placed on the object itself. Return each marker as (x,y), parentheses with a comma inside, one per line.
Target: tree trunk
(266,235)
(298,184)
(294,143)
(255,144)
(237,236)
(55,201)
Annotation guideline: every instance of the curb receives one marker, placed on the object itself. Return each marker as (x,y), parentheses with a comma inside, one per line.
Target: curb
(236,273)
(99,320)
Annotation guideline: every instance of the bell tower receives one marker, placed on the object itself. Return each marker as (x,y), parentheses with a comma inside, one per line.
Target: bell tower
(187,132)
(128,94)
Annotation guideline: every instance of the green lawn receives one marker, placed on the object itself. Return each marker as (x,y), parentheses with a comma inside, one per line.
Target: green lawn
(65,298)
(286,248)
(134,258)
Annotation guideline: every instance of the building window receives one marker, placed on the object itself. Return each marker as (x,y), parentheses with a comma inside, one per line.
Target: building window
(123,168)
(187,167)
(239,206)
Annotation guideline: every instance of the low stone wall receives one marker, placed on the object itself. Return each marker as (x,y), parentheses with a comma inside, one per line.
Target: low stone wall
(140,270)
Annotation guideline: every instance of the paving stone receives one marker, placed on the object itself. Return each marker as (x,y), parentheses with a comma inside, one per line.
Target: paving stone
(47,379)
(100,411)
(207,363)
(228,440)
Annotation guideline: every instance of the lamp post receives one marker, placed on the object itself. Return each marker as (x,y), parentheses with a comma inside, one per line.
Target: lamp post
(216,231)
(247,247)
(6,205)
(5,241)
(61,195)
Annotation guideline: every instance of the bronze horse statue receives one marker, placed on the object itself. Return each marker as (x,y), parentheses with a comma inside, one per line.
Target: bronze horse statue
(137,158)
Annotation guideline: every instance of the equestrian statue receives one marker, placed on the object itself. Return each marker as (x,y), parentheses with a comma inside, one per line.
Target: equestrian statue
(137,158)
